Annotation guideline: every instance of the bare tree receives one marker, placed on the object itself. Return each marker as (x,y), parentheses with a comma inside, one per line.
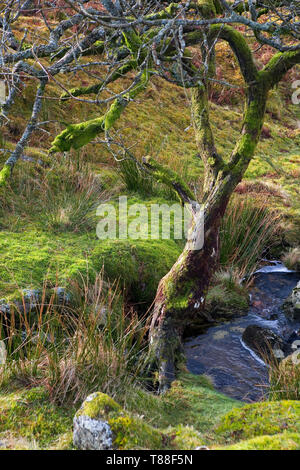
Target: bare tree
(150,38)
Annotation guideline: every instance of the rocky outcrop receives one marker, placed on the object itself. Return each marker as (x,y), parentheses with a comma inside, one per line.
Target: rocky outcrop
(291,306)
(265,343)
(92,434)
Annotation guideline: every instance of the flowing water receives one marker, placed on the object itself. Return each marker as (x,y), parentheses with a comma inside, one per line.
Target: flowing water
(220,353)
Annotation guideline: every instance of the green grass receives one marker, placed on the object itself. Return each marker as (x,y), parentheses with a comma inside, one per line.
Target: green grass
(285,379)
(284,441)
(28,259)
(75,346)
(247,229)
(48,234)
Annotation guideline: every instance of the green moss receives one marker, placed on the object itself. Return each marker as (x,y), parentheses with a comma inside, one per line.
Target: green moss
(27,259)
(169,177)
(138,264)
(183,418)
(266,418)
(133,42)
(133,433)
(98,406)
(79,91)
(180,419)
(284,441)
(129,432)
(77,135)
(191,401)
(29,414)
(166,12)
(96,88)
(207,8)
(278,65)
(223,302)
(240,48)
(114,112)
(4,174)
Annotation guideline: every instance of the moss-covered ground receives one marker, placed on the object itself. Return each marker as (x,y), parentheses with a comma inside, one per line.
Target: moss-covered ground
(191,414)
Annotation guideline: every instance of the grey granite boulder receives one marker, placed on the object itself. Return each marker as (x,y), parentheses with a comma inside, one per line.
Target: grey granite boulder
(91,427)
(91,434)
(291,305)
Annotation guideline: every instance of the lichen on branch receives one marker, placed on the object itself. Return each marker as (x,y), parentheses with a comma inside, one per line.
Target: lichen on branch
(77,135)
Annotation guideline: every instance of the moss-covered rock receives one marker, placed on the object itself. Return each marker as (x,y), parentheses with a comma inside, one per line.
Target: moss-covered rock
(259,419)
(182,418)
(291,305)
(101,423)
(91,428)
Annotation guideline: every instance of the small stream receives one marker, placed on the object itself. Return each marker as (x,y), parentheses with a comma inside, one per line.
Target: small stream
(220,353)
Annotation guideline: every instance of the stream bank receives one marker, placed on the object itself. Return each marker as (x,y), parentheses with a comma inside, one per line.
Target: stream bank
(220,352)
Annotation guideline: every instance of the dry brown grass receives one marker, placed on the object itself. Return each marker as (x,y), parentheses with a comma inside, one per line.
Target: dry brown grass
(74,350)
(292,258)
(285,379)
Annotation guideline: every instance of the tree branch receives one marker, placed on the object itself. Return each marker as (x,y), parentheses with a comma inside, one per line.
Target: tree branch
(19,149)
(171,179)
(77,135)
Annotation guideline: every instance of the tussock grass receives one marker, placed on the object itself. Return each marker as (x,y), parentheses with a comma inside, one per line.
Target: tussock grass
(292,258)
(138,181)
(247,229)
(61,197)
(75,349)
(285,379)
(134,179)
(229,278)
